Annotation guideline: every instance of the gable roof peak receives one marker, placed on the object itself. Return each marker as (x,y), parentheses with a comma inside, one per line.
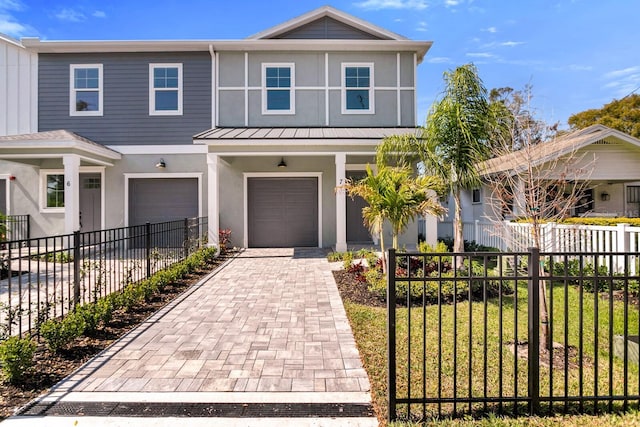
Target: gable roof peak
(322,12)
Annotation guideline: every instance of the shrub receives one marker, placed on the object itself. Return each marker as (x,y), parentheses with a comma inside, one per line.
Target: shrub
(224,238)
(58,334)
(571,271)
(335,256)
(16,357)
(94,314)
(347,259)
(131,296)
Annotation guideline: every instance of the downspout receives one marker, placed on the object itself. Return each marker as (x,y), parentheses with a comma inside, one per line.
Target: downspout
(214,78)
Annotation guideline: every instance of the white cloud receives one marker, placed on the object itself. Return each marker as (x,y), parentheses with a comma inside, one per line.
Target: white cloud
(11,5)
(9,24)
(623,81)
(615,74)
(422,27)
(511,44)
(99,14)
(70,15)
(439,60)
(490,30)
(392,4)
(480,55)
(451,3)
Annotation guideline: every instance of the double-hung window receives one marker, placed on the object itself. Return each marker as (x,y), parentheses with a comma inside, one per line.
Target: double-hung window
(278,84)
(52,190)
(165,89)
(357,88)
(85,97)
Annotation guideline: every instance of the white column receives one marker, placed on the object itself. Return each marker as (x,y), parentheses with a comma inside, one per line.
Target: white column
(213,208)
(71,164)
(341,203)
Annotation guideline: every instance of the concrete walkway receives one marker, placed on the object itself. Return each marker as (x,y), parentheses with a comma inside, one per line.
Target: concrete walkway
(264,340)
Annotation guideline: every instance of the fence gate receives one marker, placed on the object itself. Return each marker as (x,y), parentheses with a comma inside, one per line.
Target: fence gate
(467,333)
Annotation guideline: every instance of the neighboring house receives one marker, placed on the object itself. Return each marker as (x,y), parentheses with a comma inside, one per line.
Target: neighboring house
(611,160)
(255,134)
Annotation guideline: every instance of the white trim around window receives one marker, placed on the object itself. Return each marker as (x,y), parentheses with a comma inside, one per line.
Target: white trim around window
(169,83)
(360,82)
(7,184)
(44,179)
(283,84)
(85,90)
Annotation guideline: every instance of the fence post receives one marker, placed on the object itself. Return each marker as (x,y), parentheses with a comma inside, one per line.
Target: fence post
(623,245)
(476,232)
(391,332)
(147,245)
(533,347)
(185,242)
(76,267)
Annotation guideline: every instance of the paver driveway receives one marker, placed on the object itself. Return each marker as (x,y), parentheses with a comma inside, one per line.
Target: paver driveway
(269,325)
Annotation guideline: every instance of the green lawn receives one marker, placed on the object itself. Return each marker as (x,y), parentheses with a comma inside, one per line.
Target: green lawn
(369,326)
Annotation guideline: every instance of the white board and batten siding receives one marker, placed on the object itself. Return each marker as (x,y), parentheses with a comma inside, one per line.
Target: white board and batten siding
(18,88)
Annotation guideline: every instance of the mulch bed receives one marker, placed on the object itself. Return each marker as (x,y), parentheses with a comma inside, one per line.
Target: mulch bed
(51,368)
(351,289)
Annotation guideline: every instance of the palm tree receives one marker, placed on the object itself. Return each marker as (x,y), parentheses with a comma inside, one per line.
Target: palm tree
(395,195)
(455,138)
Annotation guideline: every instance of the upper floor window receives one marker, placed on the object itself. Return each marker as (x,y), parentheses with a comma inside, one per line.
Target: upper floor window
(165,89)
(277,89)
(357,88)
(85,98)
(475,195)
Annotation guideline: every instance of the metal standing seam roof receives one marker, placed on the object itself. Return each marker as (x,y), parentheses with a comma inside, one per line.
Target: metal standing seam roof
(244,133)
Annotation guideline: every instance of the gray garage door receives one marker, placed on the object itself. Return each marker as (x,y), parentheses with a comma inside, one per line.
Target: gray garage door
(162,199)
(283,212)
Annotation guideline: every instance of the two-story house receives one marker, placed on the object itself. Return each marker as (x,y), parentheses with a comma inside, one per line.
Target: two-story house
(256,134)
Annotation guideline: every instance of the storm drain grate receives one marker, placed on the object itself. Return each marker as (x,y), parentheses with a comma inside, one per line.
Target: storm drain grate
(200,410)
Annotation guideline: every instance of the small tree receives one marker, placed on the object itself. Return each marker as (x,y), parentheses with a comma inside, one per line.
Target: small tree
(394,194)
(538,182)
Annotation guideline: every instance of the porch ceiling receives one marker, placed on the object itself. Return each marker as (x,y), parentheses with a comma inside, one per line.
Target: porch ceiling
(55,144)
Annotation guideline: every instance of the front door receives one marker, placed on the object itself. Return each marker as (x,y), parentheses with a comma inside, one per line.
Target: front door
(356,231)
(90,202)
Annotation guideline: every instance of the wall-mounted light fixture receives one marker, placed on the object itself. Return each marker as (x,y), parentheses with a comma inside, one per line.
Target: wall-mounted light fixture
(12,178)
(161,164)
(604,196)
(282,164)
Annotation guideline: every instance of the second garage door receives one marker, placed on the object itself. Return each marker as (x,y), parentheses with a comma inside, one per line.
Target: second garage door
(162,199)
(282,212)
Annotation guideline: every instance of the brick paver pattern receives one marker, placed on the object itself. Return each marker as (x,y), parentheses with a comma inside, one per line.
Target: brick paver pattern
(269,320)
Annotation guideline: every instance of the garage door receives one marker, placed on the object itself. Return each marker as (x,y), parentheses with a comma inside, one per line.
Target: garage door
(162,199)
(282,212)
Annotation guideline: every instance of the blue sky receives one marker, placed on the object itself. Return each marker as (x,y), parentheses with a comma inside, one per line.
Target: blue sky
(577,54)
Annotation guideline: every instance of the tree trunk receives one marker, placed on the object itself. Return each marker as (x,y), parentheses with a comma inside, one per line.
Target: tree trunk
(384,254)
(545,335)
(458,237)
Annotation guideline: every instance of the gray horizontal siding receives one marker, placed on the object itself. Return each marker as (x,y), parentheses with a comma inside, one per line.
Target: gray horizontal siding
(126,119)
(327,28)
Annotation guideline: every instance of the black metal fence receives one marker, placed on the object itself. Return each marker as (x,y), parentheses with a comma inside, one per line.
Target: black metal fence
(17,227)
(46,277)
(469,333)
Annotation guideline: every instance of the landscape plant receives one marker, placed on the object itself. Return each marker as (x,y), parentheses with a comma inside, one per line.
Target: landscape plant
(16,357)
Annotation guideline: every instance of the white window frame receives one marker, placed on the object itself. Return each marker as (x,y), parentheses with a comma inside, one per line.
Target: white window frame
(473,191)
(152,90)
(343,87)
(44,173)
(265,89)
(73,90)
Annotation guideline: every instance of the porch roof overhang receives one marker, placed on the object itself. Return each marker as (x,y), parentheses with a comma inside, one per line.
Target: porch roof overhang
(303,139)
(55,144)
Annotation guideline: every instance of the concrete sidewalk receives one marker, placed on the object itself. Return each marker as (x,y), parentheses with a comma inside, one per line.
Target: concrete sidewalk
(264,340)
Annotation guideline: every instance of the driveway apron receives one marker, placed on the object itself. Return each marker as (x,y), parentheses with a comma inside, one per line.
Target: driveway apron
(265,337)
